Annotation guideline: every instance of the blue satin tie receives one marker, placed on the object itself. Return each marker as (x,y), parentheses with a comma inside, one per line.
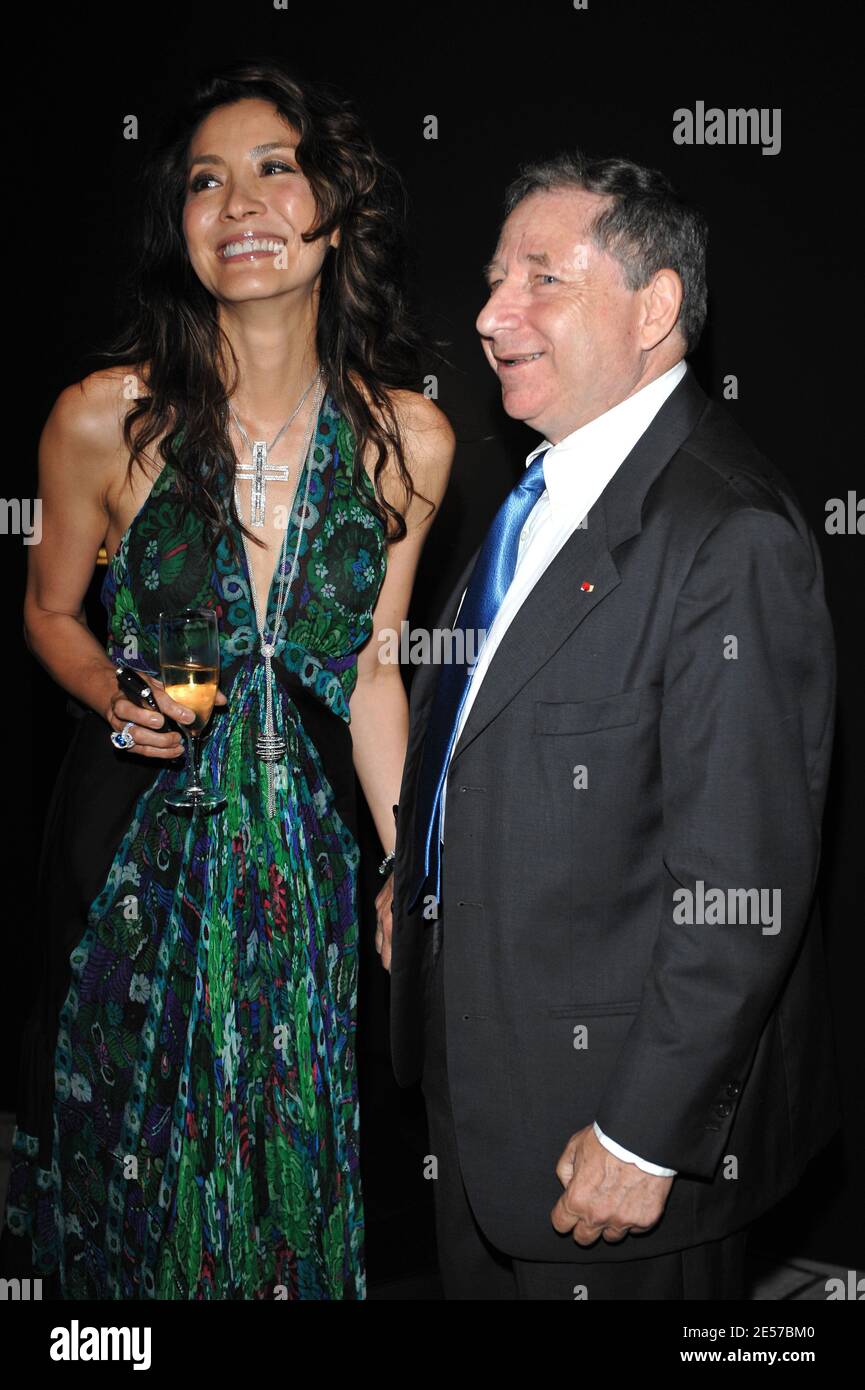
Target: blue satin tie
(489,582)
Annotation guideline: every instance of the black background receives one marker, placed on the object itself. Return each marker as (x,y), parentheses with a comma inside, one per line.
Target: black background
(507,84)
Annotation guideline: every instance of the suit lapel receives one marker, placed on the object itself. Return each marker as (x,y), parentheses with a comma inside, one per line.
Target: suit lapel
(549,614)
(557,604)
(426,676)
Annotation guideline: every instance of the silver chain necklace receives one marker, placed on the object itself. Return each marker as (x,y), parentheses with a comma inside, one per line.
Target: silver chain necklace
(270,746)
(257,470)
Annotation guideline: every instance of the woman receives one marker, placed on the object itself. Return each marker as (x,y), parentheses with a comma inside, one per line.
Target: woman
(189,1123)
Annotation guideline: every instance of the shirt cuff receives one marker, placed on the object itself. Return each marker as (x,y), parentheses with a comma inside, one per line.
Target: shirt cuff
(627,1157)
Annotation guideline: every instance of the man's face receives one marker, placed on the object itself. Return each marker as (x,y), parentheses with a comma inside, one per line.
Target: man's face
(560,328)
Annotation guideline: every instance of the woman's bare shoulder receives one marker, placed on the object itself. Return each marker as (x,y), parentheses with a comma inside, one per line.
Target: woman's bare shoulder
(89,414)
(418,415)
(83,443)
(427,436)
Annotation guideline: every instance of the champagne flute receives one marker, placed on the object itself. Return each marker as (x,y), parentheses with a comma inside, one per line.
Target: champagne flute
(189,663)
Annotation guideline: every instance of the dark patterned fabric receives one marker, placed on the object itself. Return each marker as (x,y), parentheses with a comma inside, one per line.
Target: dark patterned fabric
(205,1115)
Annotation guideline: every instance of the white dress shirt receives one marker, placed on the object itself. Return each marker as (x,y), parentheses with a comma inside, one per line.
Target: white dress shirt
(576,471)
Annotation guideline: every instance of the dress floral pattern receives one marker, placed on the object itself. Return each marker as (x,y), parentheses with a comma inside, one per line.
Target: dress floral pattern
(205,1115)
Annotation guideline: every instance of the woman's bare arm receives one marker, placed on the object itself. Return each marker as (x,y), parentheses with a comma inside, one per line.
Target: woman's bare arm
(82,464)
(379,708)
(78,458)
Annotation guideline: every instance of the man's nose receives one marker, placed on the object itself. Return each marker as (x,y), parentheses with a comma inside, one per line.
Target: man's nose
(501,313)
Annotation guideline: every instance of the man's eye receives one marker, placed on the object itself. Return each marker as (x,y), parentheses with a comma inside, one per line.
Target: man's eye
(280,166)
(550,279)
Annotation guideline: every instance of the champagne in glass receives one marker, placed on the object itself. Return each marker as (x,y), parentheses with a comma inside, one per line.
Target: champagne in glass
(189,663)
(195,687)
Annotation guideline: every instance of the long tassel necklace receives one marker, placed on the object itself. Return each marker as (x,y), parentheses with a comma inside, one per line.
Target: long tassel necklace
(269,745)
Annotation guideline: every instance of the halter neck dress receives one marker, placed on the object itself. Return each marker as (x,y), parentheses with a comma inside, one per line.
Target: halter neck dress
(188,1122)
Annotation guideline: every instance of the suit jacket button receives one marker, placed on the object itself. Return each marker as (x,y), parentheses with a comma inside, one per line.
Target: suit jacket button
(732,1089)
(723,1109)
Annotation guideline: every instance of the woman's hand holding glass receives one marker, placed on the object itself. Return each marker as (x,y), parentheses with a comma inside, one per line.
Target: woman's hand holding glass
(151,738)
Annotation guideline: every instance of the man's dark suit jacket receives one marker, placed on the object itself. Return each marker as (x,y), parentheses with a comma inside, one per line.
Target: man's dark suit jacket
(706,1048)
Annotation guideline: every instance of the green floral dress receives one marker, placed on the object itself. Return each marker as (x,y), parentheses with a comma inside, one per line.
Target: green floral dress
(204,1117)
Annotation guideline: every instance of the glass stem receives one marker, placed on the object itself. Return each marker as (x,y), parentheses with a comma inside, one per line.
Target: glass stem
(193,754)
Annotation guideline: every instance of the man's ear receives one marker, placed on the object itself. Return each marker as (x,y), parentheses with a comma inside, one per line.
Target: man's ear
(662,301)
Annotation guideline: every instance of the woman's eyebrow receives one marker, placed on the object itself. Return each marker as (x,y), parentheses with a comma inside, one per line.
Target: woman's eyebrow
(254,153)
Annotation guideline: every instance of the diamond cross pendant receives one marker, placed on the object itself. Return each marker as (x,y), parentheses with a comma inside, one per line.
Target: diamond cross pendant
(261,472)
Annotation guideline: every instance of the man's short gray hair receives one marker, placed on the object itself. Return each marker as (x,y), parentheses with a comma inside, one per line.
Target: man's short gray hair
(646,227)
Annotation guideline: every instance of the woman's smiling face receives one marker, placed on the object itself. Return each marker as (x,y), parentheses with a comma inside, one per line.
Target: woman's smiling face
(247,203)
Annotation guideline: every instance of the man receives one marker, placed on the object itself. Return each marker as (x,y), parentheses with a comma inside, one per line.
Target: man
(606,954)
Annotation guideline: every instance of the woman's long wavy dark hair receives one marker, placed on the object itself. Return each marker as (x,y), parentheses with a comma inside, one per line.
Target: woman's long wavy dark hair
(364,329)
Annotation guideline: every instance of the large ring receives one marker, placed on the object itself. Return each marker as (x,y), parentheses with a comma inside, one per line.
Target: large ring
(124,739)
